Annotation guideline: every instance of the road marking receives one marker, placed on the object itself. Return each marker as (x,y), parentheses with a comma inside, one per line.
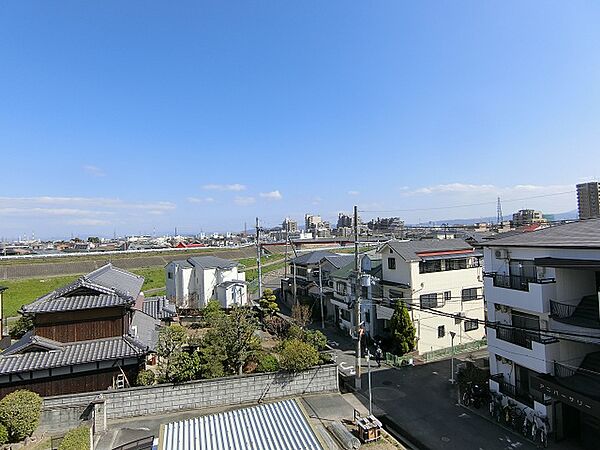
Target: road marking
(347,368)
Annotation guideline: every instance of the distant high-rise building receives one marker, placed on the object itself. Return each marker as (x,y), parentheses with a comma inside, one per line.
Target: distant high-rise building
(344,221)
(588,200)
(312,221)
(525,217)
(289,225)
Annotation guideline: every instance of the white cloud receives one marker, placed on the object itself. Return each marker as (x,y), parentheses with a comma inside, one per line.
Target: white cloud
(317,201)
(244,201)
(94,171)
(508,191)
(353,193)
(236,187)
(200,199)
(88,222)
(273,195)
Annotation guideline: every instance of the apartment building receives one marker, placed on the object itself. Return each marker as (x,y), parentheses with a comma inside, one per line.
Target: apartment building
(193,282)
(588,200)
(542,291)
(525,217)
(439,280)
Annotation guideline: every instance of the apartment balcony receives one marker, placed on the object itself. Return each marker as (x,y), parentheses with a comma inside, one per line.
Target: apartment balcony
(528,293)
(582,318)
(527,348)
(518,391)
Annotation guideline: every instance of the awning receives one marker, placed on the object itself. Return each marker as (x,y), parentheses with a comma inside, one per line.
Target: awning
(465,254)
(548,386)
(565,263)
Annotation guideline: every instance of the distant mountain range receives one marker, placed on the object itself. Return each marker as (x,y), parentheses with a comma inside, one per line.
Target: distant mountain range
(569,215)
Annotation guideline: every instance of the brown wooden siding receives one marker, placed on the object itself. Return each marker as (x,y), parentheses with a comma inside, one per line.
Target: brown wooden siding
(82,331)
(72,384)
(82,325)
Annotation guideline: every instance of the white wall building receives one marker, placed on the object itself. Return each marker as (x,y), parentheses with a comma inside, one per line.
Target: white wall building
(434,277)
(542,290)
(193,282)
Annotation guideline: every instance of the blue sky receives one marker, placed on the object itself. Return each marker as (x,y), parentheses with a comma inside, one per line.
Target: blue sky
(138,116)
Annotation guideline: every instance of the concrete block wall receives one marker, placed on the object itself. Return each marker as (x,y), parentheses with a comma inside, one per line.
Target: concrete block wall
(63,412)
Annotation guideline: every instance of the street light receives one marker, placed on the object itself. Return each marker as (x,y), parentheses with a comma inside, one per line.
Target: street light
(452,334)
(370,393)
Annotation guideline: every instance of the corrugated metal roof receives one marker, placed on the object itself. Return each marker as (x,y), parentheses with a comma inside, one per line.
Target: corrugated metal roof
(273,426)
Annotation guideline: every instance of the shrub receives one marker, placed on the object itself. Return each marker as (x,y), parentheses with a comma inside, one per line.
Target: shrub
(20,413)
(3,435)
(297,355)
(76,439)
(316,339)
(267,363)
(277,326)
(20,327)
(145,378)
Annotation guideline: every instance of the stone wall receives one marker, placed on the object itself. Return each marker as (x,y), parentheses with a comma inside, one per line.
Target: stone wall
(66,411)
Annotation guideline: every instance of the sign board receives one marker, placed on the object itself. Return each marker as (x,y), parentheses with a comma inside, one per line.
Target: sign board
(565,395)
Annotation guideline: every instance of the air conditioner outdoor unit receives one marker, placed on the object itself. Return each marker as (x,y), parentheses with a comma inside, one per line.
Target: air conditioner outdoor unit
(501,253)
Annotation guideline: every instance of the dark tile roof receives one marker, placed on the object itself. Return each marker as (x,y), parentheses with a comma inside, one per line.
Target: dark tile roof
(206,262)
(31,340)
(146,329)
(77,302)
(582,234)
(117,279)
(72,354)
(312,257)
(408,249)
(159,307)
(339,261)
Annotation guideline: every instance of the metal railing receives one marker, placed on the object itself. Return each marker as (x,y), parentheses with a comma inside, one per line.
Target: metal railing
(563,371)
(139,444)
(522,338)
(561,310)
(518,282)
(519,391)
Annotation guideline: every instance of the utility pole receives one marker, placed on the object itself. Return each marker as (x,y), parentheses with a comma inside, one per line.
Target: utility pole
(452,334)
(287,236)
(357,292)
(260,290)
(321,294)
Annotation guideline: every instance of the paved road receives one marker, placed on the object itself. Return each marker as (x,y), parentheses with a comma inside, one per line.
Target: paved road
(423,405)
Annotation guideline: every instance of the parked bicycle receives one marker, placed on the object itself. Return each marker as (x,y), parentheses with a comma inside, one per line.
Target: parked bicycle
(495,407)
(474,395)
(539,429)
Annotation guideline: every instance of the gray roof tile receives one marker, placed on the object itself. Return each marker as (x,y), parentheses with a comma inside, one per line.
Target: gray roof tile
(77,302)
(313,257)
(409,249)
(159,307)
(117,279)
(582,234)
(72,354)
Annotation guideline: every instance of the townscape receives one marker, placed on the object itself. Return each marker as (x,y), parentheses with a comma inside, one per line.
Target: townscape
(316,225)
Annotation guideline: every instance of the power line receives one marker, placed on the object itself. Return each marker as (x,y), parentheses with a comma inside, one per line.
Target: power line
(465,205)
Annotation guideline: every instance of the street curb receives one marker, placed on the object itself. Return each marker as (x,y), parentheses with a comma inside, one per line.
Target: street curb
(501,425)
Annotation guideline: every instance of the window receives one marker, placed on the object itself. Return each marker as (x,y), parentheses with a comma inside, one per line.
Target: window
(345,315)
(368,316)
(447,296)
(391,263)
(170,275)
(469,294)
(396,294)
(430,266)
(429,300)
(471,324)
(441,331)
(340,288)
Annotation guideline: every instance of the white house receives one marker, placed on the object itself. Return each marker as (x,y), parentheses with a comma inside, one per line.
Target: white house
(542,290)
(193,282)
(438,280)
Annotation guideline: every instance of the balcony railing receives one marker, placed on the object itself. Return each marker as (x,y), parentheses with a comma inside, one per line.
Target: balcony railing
(519,392)
(517,282)
(561,310)
(522,338)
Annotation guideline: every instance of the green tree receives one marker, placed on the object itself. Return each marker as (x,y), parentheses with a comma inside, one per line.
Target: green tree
(268,302)
(267,363)
(3,435)
(213,313)
(315,338)
(185,367)
(301,314)
(20,327)
(76,439)
(171,341)
(402,328)
(145,378)
(237,333)
(212,358)
(298,355)
(20,413)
